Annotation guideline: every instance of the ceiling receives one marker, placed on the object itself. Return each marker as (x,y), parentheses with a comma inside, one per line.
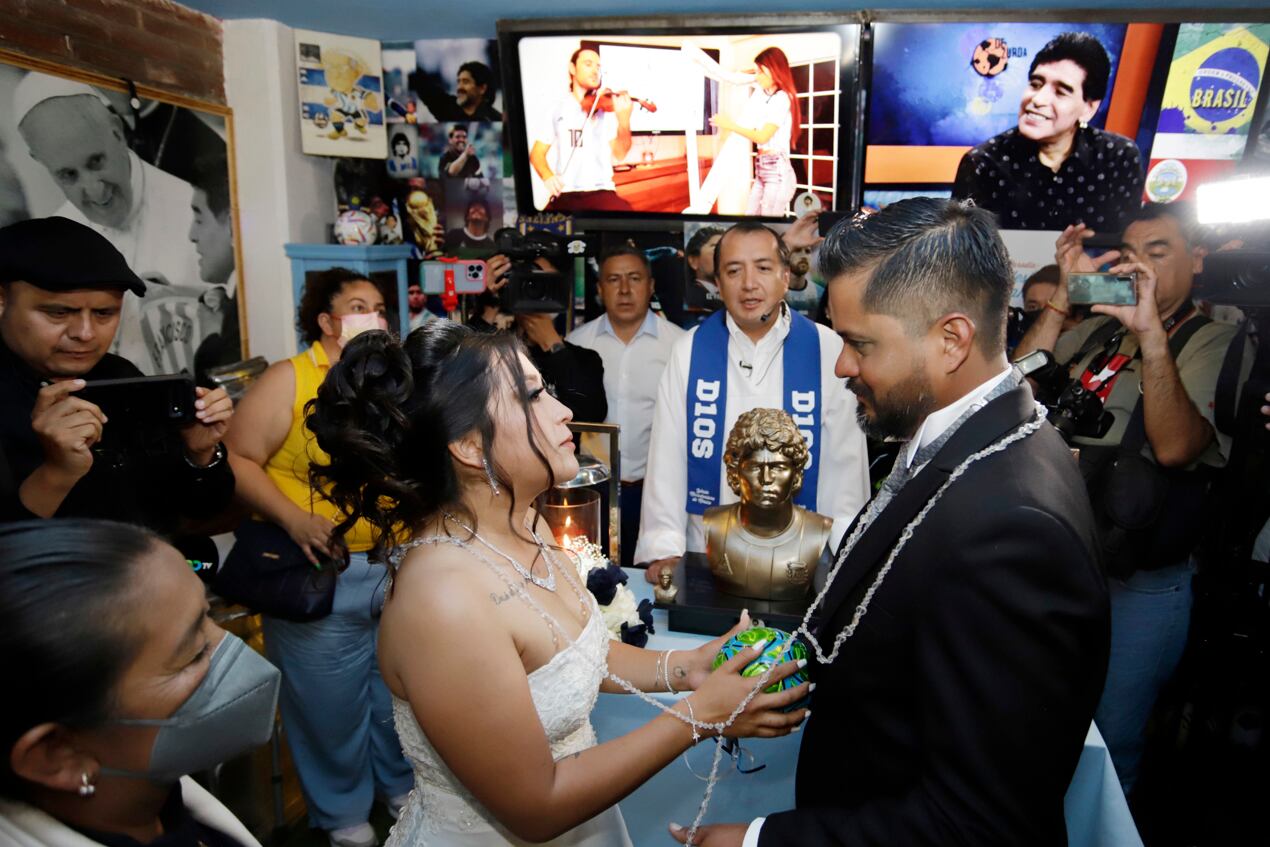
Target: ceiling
(407,20)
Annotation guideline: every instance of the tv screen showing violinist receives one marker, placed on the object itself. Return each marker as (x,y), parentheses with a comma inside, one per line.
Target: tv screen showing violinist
(731,125)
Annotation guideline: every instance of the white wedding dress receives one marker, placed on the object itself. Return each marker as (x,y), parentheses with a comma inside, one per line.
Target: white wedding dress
(440,812)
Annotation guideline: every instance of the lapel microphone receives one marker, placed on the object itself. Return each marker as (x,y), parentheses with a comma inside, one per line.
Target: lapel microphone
(765,318)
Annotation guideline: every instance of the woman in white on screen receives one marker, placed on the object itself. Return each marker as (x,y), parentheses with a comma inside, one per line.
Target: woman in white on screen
(493,651)
(770,118)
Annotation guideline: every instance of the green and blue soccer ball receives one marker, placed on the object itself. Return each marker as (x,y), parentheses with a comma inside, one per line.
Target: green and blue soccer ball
(781,647)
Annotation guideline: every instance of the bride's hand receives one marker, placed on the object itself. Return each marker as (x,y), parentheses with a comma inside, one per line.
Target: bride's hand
(690,668)
(724,690)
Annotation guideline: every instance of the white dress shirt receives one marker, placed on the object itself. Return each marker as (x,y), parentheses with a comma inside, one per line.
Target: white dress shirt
(632,373)
(931,428)
(755,380)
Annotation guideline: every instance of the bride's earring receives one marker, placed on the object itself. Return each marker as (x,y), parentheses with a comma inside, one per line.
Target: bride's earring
(489,474)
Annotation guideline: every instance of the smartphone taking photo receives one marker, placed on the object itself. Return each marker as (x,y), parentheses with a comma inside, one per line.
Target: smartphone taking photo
(1084,289)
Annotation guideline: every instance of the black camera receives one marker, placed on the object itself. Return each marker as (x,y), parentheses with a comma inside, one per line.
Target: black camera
(530,287)
(1079,412)
(1235,278)
(1073,409)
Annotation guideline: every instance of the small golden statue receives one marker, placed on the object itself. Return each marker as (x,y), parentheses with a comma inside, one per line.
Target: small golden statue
(665,590)
(765,547)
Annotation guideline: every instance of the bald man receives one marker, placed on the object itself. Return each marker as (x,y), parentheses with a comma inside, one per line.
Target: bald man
(143,211)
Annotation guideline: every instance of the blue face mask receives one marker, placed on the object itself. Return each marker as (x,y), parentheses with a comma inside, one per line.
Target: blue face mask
(229,713)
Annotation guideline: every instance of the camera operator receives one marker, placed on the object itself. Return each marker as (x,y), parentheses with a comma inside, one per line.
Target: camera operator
(61,291)
(576,373)
(1150,456)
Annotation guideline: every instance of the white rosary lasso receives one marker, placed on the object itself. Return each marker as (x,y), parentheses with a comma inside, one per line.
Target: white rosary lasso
(1023,431)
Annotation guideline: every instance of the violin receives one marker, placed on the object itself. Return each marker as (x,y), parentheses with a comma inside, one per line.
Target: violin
(605,101)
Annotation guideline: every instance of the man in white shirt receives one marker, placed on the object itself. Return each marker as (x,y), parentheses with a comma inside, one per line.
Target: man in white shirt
(146,213)
(635,345)
(587,138)
(754,354)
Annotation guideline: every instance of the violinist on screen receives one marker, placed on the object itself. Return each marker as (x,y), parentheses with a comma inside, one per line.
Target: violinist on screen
(590,128)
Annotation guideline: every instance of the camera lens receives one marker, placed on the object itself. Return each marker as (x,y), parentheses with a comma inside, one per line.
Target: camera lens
(532,289)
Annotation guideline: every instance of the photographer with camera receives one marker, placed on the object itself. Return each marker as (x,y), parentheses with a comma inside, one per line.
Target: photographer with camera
(1136,396)
(530,286)
(61,293)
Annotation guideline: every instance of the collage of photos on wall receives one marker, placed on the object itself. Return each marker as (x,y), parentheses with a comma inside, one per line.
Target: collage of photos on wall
(445,144)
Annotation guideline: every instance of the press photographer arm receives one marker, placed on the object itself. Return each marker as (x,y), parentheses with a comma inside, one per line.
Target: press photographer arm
(1176,430)
(1070,256)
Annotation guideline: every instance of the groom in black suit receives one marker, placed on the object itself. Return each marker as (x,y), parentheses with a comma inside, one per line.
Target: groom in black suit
(956,710)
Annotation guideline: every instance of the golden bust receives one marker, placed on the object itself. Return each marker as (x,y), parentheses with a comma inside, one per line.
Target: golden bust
(765,546)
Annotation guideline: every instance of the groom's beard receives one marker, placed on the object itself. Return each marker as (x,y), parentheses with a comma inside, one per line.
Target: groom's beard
(899,413)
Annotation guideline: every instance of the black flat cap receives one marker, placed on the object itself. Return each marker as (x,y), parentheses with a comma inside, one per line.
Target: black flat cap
(58,254)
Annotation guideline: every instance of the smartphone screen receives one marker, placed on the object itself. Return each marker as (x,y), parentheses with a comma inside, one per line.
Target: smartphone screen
(1108,289)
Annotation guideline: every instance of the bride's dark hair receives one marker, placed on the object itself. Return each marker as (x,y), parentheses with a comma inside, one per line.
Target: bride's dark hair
(387,412)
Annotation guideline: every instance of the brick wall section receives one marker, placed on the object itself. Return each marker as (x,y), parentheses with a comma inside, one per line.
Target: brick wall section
(155,42)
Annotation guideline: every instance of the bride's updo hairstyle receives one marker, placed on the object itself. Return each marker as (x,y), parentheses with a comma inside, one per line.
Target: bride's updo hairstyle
(387,412)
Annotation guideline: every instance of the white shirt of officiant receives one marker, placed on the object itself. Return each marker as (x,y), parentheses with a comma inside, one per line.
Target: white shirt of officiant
(755,380)
(931,428)
(632,373)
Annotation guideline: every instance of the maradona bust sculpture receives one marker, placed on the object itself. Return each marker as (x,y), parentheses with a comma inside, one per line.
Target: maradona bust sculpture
(765,547)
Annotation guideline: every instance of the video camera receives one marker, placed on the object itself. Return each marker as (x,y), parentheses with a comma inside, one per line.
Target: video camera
(531,288)
(1235,278)
(1073,409)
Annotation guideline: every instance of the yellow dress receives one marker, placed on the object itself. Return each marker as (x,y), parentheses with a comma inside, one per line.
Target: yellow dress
(289,467)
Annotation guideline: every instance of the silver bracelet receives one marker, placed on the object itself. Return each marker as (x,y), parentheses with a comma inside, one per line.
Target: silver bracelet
(657,671)
(665,669)
(218,456)
(692,721)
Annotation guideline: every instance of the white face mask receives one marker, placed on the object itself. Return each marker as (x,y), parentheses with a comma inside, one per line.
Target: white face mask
(352,326)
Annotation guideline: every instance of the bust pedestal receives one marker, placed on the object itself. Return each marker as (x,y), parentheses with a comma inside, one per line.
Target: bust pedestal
(700,607)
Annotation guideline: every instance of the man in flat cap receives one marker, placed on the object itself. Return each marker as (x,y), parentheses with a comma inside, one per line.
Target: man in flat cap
(143,211)
(62,288)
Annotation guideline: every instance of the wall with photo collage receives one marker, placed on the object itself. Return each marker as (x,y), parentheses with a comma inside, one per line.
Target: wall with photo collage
(445,156)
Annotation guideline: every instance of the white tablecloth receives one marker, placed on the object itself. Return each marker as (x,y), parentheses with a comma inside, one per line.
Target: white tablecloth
(1097,815)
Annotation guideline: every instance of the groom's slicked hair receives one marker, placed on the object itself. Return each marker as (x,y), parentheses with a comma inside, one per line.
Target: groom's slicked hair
(927,257)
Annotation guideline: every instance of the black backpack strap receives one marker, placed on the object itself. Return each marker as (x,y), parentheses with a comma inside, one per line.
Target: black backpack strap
(1135,434)
(1226,408)
(1096,339)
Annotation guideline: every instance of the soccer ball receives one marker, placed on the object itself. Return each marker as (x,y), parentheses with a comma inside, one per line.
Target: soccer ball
(355,227)
(990,57)
(781,647)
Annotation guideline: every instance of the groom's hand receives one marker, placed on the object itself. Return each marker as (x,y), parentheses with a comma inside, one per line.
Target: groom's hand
(715,835)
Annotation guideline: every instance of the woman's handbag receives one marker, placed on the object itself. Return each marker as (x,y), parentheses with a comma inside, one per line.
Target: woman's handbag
(268,572)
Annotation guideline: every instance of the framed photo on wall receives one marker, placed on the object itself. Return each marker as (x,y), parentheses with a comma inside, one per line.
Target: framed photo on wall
(341,95)
(154,176)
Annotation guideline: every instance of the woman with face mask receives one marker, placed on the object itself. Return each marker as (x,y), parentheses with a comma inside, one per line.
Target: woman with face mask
(335,709)
(122,686)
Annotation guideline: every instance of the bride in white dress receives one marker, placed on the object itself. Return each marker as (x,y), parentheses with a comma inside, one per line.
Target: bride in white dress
(493,652)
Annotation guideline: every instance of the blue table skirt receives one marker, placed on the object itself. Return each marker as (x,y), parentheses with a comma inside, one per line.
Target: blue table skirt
(1097,815)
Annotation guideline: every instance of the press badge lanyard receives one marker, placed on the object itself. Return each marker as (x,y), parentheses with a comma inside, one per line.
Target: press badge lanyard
(1107,365)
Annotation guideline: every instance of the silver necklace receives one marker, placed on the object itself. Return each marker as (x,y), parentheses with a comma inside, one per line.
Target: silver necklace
(549,583)
(804,629)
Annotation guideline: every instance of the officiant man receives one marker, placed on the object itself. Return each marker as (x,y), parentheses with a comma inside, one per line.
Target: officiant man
(755,352)
(958,710)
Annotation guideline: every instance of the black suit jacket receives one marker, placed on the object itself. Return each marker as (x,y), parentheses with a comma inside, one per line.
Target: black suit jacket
(957,712)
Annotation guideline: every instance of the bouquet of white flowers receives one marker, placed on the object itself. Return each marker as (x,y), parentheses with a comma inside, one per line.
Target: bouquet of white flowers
(625,619)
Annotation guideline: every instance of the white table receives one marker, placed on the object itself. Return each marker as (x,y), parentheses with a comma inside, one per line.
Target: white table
(1097,815)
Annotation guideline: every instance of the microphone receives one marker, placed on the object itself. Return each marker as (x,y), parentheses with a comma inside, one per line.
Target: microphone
(766,317)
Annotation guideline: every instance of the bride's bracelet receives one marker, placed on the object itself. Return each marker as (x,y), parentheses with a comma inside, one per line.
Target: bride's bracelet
(692,719)
(665,671)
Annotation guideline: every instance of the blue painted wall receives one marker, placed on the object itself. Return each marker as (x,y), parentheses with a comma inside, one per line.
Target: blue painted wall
(406,20)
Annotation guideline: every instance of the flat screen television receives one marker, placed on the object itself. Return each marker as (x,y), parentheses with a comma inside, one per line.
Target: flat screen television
(728,118)
(1183,93)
